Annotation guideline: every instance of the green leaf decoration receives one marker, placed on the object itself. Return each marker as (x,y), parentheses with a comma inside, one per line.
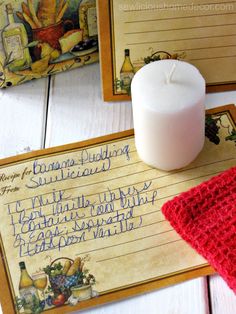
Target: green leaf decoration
(231,137)
(32,44)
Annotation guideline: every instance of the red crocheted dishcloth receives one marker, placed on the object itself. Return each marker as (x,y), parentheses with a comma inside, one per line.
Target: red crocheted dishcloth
(205,217)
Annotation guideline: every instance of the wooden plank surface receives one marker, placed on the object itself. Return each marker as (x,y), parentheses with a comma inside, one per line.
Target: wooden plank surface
(173,300)
(23,115)
(223,300)
(23,111)
(76,112)
(76,109)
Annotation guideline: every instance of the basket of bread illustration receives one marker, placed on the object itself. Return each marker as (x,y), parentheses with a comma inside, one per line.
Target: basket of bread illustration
(65,273)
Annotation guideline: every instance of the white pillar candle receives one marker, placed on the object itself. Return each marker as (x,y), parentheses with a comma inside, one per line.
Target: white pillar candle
(169,113)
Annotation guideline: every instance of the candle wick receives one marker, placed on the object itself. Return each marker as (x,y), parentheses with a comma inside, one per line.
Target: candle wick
(170,76)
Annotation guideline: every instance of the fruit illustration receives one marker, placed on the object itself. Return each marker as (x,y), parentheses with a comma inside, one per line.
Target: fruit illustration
(65,276)
(212,130)
(162,55)
(55,54)
(59,300)
(41,65)
(46,49)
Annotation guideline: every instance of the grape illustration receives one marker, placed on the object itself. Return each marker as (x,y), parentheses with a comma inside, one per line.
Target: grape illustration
(159,55)
(163,55)
(212,130)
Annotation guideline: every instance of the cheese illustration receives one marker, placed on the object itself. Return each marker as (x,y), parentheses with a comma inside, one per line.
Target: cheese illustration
(70,39)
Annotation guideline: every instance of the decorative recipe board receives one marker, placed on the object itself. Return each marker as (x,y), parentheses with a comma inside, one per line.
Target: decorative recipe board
(81,224)
(41,37)
(135,33)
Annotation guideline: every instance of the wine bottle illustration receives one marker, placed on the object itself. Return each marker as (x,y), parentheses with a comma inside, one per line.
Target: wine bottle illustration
(15,43)
(88,19)
(126,72)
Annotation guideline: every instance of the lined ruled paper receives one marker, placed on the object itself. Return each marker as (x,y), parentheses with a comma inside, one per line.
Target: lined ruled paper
(202,32)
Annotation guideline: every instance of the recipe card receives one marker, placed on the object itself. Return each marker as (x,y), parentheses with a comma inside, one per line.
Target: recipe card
(82,224)
(199,32)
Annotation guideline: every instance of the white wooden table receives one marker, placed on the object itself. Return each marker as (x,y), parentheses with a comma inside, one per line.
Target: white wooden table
(69,108)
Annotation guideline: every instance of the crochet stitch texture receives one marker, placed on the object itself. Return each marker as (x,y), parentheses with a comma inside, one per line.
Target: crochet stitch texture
(205,217)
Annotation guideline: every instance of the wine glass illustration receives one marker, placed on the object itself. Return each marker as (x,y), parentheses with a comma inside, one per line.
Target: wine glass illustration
(40,282)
